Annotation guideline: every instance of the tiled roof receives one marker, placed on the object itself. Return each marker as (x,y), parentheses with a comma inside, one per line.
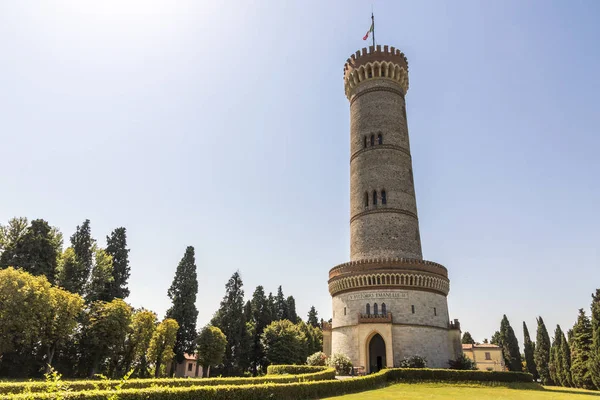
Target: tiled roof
(479,346)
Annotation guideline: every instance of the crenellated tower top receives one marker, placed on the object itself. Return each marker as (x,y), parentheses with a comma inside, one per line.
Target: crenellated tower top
(375,62)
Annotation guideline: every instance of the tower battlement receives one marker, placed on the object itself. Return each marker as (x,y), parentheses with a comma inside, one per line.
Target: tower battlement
(375,62)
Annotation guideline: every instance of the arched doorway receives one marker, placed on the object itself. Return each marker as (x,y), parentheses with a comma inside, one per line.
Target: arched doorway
(376,353)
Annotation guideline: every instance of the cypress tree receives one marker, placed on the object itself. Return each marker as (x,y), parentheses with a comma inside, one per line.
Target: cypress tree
(272,307)
(313,317)
(496,339)
(230,319)
(261,317)
(291,309)
(183,293)
(594,362)
(280,303)
(565,361)
(248,311)
(510,346)
(529,349)
(581,351)
(467,338)
(542,352)
(74,275)
(116,247)
(34,251)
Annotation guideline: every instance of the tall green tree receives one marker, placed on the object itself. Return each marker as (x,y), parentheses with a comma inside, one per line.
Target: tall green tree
(565,361)
(261,317)
(314,338)
(11,233)
(542,352)
(104,330)
(211,348)
(581,351)
(183,293)
(284,343)
(160,352)
(510,346)
(143,325)
(101,276)
(116,247)
(594,361)
(496,339)
(467,338)
(230,319)
(313,317)
(74,274)
(280,303)
(291,309)
(34,251)
(560,368)
(529,350)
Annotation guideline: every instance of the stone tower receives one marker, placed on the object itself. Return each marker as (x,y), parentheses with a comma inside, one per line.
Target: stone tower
(388,303)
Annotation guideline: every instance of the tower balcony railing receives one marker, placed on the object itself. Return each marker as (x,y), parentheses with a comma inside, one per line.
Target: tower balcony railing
(374,318)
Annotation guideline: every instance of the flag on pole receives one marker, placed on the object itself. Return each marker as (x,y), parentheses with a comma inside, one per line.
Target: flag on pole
(369,31)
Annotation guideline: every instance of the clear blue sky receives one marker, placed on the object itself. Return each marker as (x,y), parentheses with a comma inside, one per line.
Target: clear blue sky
(224,125)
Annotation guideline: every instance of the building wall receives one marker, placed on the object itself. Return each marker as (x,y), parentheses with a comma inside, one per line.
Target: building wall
(182,370)
(496,362)
(393,230)
(398,302)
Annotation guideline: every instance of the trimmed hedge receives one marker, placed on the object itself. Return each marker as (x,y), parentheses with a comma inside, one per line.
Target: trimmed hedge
(294,369)
(288,391)
(323,373)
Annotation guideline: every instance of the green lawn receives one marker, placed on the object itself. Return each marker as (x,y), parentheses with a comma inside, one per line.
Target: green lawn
(467,391)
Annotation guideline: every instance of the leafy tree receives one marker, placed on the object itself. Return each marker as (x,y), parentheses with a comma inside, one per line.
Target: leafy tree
(211,347)
(291,309)
(143,325)
(104,330)
(467,338)
(462,362)
(100,277)
(116,247)
(314,338)
(65,308)
(164,338)
(230,319)
(510,346)
(529,349)
(34,251)
(581,351)
(313,317)
(594,361)
(496,339)
(76,267)
(284,343)
(11,233)
(183,293)
(261,317)
(542,352)
(281,304)
(20,325)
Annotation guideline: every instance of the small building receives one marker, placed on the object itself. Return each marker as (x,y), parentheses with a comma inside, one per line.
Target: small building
(487,357)
(189,368)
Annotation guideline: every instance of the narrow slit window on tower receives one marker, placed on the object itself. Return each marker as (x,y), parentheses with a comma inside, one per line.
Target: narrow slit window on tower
(413,309)
(383,197)
(368,309)
(366,199)
(372,140)
(344,310)
(365,141)
(380,138)
(434,311)
(383,309)
(374,197)
(375,309)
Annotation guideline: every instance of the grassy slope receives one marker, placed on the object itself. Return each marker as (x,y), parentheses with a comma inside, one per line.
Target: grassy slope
(434,391)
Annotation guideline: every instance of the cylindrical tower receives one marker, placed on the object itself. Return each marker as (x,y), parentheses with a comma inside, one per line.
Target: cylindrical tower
(383,209)
(388,303)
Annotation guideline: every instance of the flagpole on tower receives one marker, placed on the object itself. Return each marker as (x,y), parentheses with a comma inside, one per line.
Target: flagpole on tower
(373,23)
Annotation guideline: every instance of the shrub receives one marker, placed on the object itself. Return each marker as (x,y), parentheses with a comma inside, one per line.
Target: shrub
(463,362)
(413,362)
(294,369)
(315,374)
(317,359)
(290,391)
(341,363)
